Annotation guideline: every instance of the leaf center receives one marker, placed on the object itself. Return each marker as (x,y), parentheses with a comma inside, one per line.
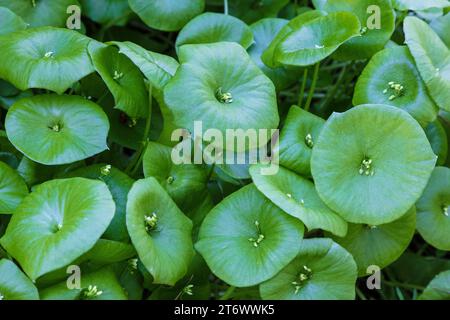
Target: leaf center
(366,167)
(309,141)
(151,222)
(224,97)
(304,275)
(259,238)
(395,89)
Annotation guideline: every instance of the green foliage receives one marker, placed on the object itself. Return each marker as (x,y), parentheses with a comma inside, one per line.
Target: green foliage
(129,167)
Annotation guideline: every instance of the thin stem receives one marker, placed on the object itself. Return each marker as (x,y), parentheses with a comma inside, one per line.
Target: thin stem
(360,294)
(403,285)
(332,92)
(227,295)
(313,86)
(225,7)
(302,88)
(211,171)
(138,156)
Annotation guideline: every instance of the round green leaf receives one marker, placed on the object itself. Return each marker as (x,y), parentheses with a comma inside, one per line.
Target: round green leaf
(437,136)
(105,282)
(38,13)
(58,222)
(391,78)
(438,288)
(111,12)
(264,31)
(45,58)
(441,26)
(64,129)
(243,246)
(379,157)
(167,15)
(183,182)
(317,39)
(298,197)
(378,245)
(322,270)
(268,56)
(160,232)
(14,285)
(119,184)
(122,78)
(433,210)
(432,59)
(12,189)
(226,90)
(213,27)
(300,131)
(10,22)
(404,5)
(377,18)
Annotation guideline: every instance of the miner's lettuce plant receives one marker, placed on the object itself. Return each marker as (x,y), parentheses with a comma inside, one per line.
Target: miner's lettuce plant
(108,191)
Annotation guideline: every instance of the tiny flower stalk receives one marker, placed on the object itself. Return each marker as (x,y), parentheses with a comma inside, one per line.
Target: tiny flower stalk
(49,54)
(366,167)
(132,265)
(117,75)
(105,170)
(396,90)
(151,222)
(33,3)
(363,30)
(260,237)
(90,293)
(170,179)
(188,289)
(224,97)
(445,210)
(304,275)
(56,127)
(309,141)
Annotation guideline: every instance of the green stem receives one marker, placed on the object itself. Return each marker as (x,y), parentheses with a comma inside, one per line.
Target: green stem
(360,294)
(313,86)
(403,285)
(138,156)
(302,88)
(228,293)
(225,7)
(332,92)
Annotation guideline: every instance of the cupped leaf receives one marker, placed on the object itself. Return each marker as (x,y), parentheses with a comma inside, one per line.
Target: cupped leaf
(391,77)
(14,285)
(226,91)
(167,15)
(433,210)
(183,182)
(377,18)
(264,31)
(437,136)
(10,22)
(379,157)
(404,5)
(243,246)
(441,26)
(251,10)
(156,67)
(213,27)
(98,285)
(378,245)
(122,78)
(298,197)
(45,58)
(317,39)
(438,288)
(322,270)
(268,56)
(160,232)
(64,129)
(110,12)
(12,189)
(38,13)
(119,184)
(300,131)
(432,59)
(58,222)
